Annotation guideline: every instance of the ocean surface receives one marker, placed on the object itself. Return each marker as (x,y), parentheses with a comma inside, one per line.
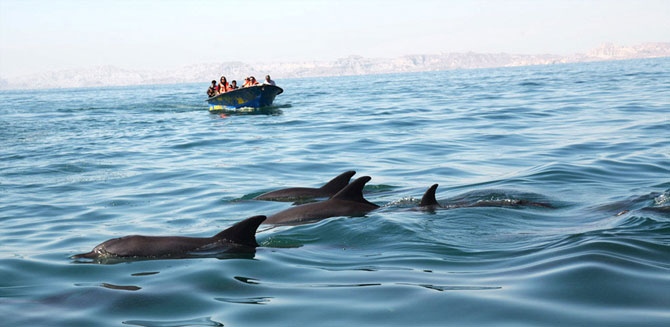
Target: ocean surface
(588,143)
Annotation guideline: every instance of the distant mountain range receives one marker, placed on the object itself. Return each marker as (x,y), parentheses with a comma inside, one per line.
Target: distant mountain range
(353,65)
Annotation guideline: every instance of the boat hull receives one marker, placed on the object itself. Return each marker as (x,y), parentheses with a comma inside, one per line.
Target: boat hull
(248,97)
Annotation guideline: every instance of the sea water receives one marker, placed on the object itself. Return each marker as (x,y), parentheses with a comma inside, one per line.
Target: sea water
(590,141)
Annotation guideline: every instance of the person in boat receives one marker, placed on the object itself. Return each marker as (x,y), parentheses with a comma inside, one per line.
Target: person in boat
(253,81)
(247,82)
(269,81)
(213,90)
(233,85)
(223,86)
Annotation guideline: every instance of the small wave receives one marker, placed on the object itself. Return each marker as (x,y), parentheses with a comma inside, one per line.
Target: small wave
(639,224)
(83,109)
(245,300)
(379,188)
(147,273)
(173,108)
(268,111)
(499,198)
(201,143)
(662,199)
(663,210)
(205,321)
(112,286)
(443,288)
(655,202)
(531,83)
(404,202)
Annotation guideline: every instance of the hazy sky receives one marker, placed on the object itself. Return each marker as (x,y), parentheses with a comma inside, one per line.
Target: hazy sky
(53,35)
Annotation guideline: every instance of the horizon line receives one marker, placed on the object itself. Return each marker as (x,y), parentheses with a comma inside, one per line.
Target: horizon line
(325,76)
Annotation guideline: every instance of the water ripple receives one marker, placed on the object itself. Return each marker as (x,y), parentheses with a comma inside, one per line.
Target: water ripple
(588,141)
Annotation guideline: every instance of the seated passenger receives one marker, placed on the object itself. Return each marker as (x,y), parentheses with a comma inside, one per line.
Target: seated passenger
(223,86)
(233,85)
(212,90)
(253,81)
(247,82)
(269,81)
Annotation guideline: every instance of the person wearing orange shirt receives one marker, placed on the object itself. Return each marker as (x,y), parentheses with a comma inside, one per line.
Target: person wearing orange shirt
(223,86)
(253,81)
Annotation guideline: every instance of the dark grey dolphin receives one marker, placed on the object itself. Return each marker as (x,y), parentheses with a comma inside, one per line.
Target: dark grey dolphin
(240,236)
(347,202)
(429,202)
(295,193)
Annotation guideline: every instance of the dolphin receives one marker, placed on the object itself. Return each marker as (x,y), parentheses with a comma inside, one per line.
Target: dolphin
(241,236)
(428,202)
(347,202)
(325,191)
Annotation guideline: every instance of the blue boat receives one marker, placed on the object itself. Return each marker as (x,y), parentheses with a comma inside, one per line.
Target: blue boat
(246,97)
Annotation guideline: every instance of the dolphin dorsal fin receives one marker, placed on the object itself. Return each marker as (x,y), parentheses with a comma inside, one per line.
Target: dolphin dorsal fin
(338,183)
(428,198)
(353,191)
(244,232)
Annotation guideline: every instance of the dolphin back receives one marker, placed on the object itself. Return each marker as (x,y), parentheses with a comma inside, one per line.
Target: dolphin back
(428,198)
(338,183)
(354,192)
(244,232)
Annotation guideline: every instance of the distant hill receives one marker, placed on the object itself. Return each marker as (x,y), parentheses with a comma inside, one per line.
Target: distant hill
(353,65)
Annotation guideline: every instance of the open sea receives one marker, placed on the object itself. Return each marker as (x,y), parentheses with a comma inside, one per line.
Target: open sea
(591,141)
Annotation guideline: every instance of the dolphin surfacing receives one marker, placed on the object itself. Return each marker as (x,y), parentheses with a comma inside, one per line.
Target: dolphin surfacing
(290,194)
(241,236)
(428,202)
(347,202)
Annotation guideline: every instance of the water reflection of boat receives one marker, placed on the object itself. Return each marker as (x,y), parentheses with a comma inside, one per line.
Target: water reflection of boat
(248,97)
